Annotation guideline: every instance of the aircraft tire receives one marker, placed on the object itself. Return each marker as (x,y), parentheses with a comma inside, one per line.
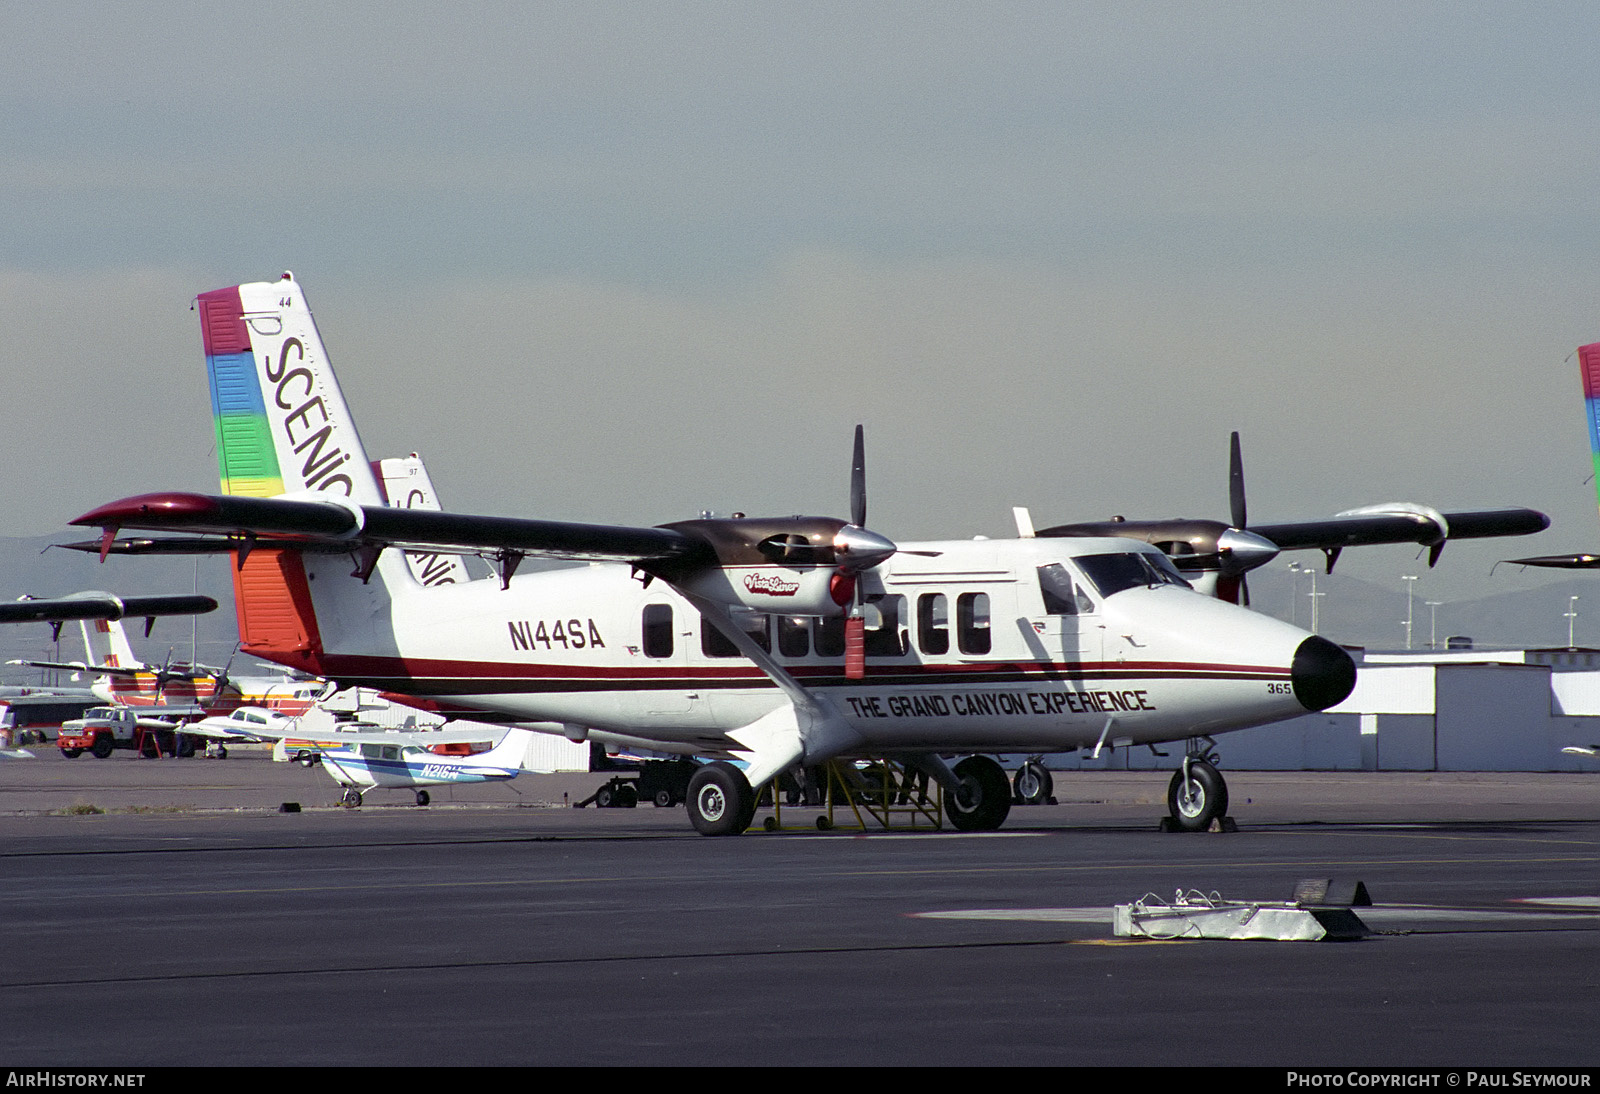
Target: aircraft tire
(664,799)
(989,796)
(1193,810)
(604,798)
(1033,784)
(720,801)
(423,798)
(351,799)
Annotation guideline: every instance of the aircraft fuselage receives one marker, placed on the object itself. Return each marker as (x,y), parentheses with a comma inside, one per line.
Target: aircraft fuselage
(972,649)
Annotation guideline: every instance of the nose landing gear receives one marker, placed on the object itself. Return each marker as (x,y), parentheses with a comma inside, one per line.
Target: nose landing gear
(1197,796)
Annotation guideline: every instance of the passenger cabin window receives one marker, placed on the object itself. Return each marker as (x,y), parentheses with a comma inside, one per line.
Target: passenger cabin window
(828,633)
(1061,595)
(713,643)
(885,637)
(657,625)
(794,635)
(972,623)
(933,623)
(1113,573)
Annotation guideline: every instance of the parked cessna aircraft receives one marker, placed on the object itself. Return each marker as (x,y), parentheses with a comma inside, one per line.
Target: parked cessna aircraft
(362,757)
(774,641)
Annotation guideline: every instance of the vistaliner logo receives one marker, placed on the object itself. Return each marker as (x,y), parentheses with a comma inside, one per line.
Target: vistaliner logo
(772,586)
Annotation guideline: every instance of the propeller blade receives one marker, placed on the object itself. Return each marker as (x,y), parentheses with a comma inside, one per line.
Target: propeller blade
(858,482)
(1236,506)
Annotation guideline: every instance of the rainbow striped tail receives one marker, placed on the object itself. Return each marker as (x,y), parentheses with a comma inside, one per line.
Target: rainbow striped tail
(282,428)
(1589,367)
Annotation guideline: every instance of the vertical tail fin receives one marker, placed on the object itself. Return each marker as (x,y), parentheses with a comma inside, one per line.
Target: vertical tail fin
(106,643)
(282,427)
(281,420)
(406,485)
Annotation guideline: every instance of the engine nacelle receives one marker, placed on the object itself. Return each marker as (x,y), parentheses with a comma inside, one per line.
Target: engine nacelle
(780,590)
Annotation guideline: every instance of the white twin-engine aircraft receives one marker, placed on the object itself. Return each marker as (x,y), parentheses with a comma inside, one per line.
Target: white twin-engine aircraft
(772,641)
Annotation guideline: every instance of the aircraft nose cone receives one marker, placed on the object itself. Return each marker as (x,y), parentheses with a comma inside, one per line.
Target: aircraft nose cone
(1323,674)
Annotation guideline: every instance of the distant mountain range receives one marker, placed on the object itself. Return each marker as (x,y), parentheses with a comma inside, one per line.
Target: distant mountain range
(1350,610)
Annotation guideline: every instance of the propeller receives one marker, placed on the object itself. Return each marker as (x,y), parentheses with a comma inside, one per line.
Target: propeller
(856,549)
(1238,549)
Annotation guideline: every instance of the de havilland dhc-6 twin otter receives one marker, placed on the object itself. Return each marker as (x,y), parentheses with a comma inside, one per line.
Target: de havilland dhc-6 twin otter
(774,642)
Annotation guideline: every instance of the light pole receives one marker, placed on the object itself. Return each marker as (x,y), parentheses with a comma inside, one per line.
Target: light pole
(1314,594)
(1411,587)
(1433,623)
(1295,570)
(1572,620)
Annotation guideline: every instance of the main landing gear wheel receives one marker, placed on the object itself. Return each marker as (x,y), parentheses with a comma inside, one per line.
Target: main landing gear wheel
(1033,783)
(1198,802)
(720,801)
(984,800)
(351,798)
(422,797)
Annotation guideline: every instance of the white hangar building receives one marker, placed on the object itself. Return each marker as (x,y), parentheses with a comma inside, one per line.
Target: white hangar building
(1438,710)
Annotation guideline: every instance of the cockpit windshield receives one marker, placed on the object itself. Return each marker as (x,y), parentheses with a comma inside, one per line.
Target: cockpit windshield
(1112,573)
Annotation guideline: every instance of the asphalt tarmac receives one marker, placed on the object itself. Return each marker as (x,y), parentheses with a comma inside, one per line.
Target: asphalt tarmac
(190,922)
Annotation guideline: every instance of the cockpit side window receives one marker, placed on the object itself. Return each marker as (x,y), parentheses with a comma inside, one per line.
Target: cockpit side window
(1055,586)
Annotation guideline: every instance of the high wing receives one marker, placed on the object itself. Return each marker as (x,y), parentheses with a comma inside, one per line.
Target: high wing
(1396,524)
(1216,555)
(327,524)
(251,724)
(702,557)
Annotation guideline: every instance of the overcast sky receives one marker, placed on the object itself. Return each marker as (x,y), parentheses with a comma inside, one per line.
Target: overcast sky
(622,262)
